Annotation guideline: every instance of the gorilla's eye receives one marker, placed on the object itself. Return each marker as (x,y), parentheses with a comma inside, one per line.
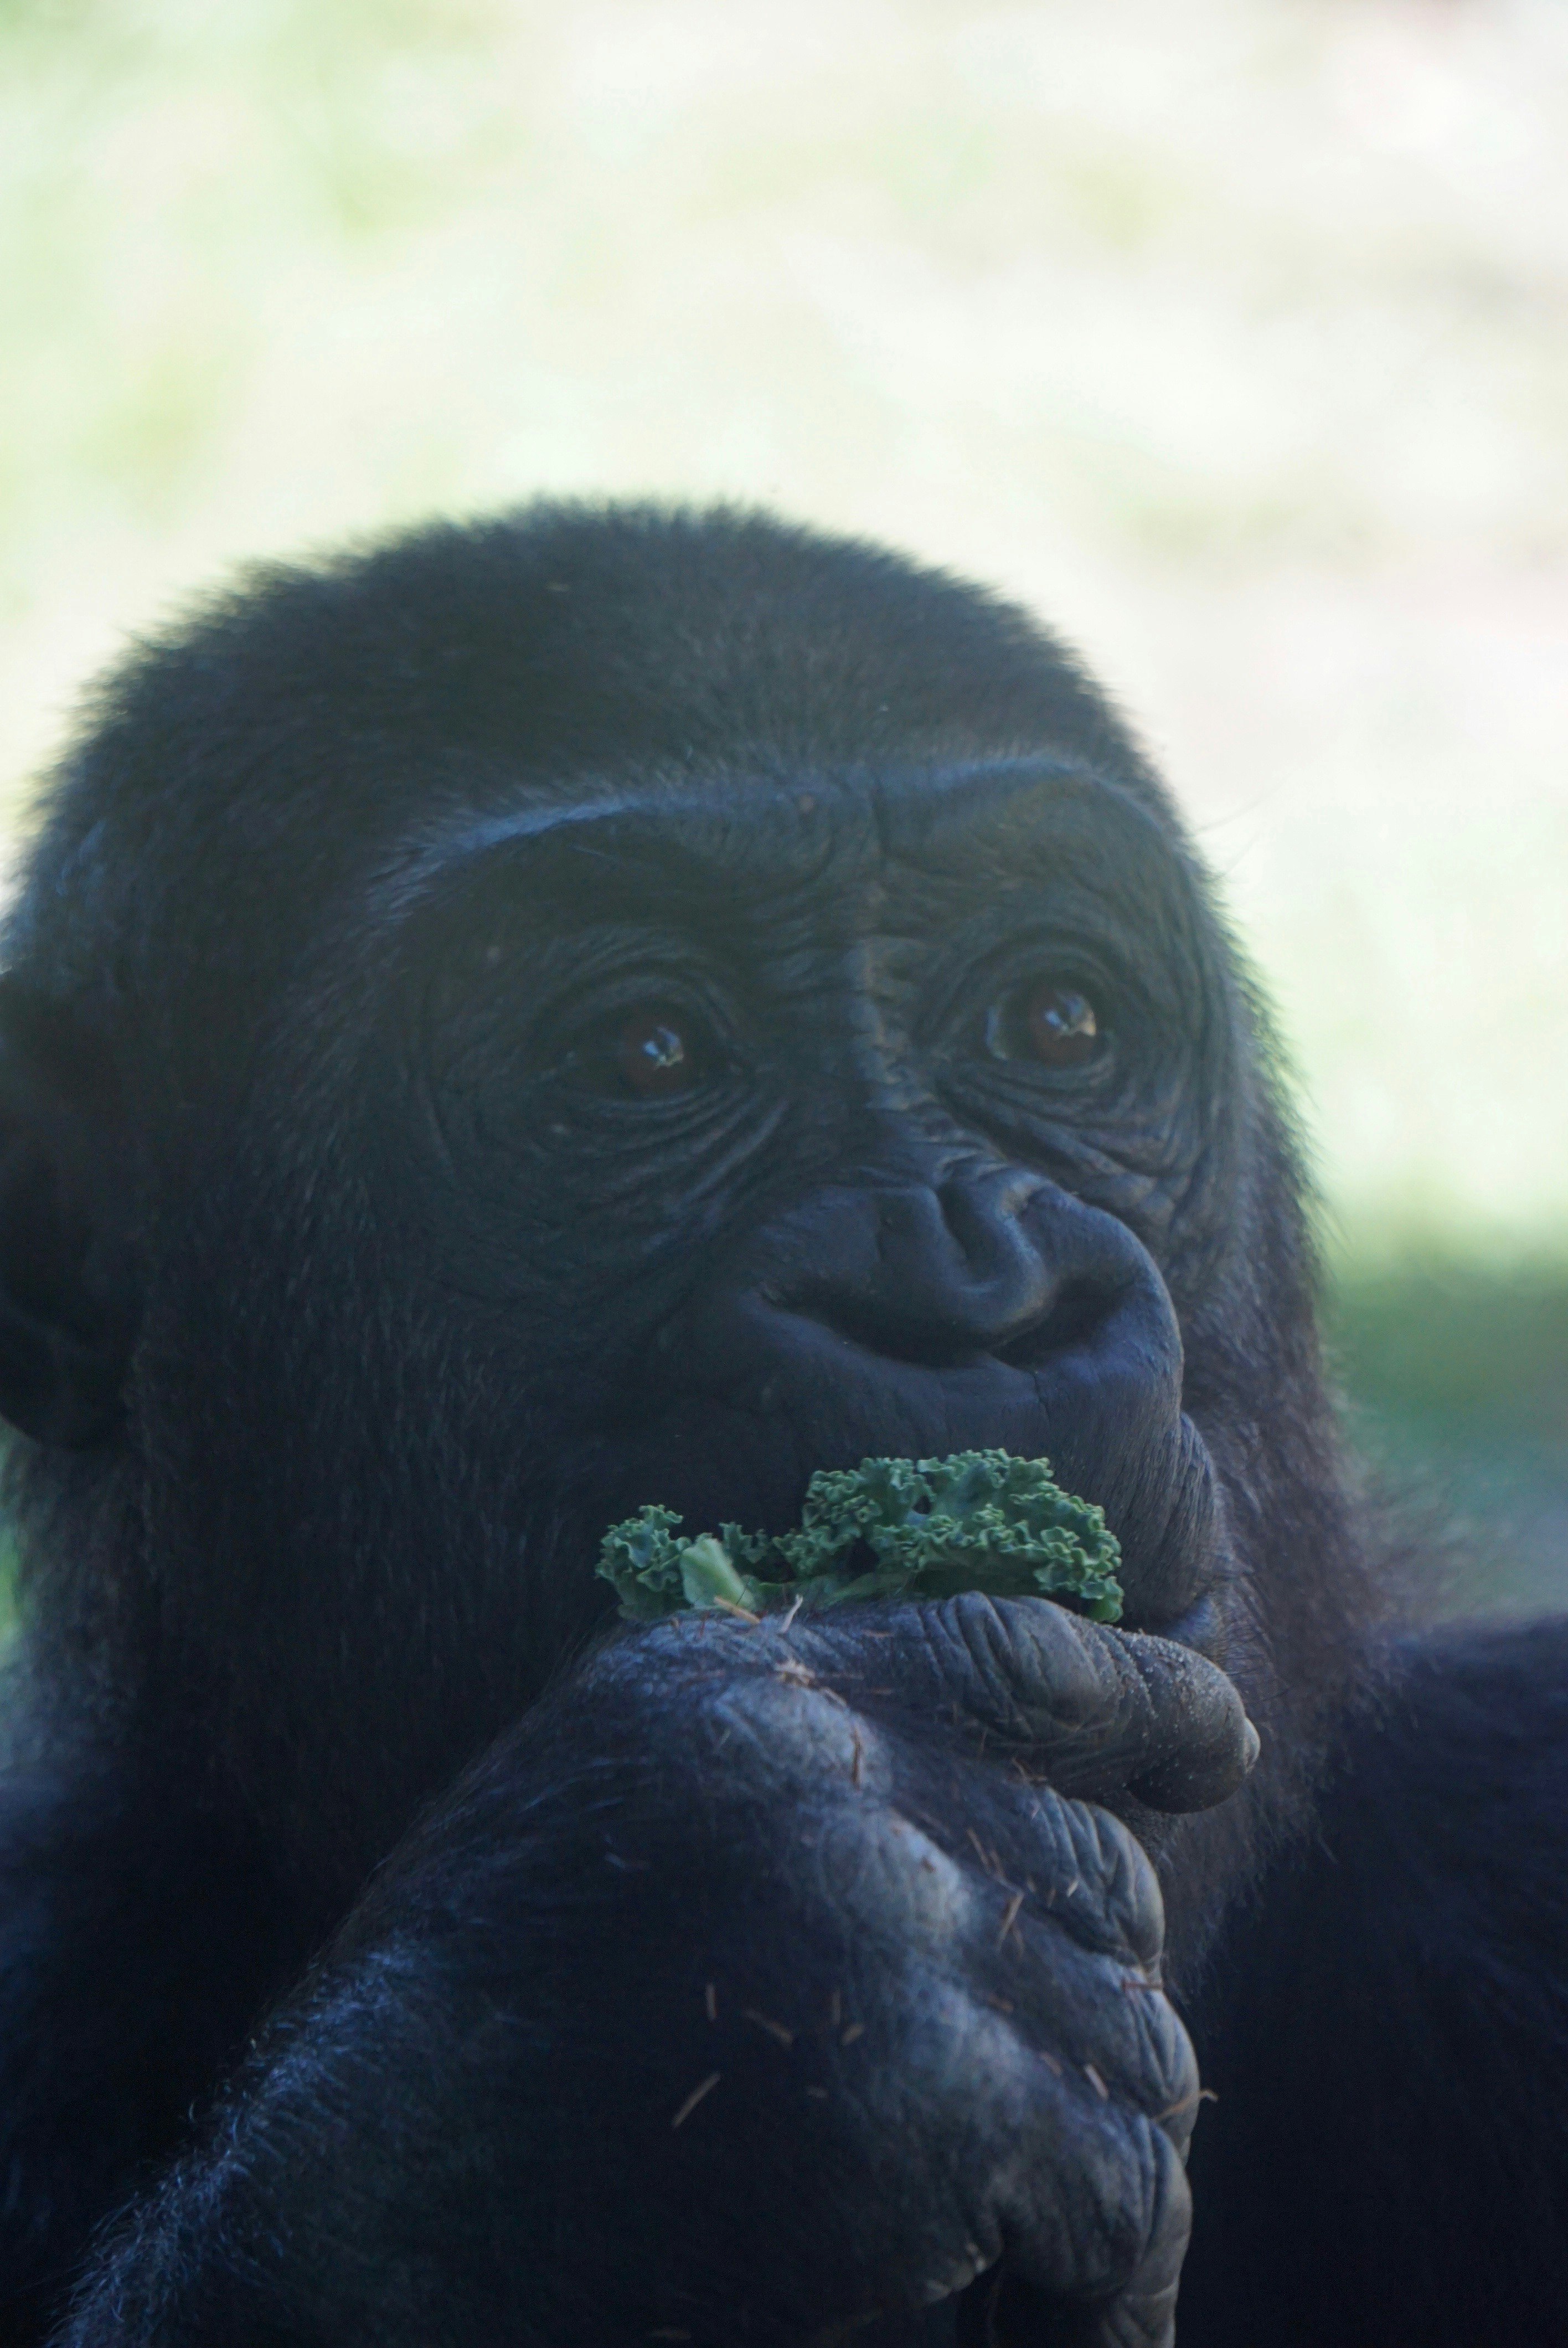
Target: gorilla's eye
(650,1050)
(654,1055)
(1053,1024)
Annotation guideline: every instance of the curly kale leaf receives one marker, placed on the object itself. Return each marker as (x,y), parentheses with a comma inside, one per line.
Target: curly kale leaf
(890,1528)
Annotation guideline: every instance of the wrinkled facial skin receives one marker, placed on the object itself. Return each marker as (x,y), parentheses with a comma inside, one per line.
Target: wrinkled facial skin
(870,1207)
(875,1208)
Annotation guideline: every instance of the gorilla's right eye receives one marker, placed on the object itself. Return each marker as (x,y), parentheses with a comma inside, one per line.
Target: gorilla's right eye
(1051,1024)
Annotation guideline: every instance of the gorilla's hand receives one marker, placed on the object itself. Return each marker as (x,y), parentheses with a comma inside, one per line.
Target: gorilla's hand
(808,1983)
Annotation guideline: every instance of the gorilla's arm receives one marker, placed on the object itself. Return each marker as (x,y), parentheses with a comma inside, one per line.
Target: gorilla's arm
(139,1937)
(1388,2034)
(757,1984)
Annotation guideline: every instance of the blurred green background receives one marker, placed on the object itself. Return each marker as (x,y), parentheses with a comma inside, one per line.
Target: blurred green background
(1233,338)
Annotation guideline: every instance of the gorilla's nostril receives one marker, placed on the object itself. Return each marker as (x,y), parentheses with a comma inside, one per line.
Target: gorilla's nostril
(944,1279)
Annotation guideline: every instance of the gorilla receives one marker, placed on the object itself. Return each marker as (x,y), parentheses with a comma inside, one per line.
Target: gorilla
(613,1005)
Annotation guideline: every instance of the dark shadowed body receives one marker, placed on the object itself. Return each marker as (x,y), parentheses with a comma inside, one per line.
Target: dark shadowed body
(609,1007)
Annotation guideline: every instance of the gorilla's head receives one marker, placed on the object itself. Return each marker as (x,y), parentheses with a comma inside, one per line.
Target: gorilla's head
(608,1007)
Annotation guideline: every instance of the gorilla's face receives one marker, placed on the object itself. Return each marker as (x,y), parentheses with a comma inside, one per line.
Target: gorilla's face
(667,1143)
(820,1122)
(701,1141)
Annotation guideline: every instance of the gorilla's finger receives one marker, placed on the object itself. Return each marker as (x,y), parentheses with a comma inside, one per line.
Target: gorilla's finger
(1101,2017)
(1110,2282)
(1100,1711)
(1141,2315)
(1086,2198)
(1080,1870)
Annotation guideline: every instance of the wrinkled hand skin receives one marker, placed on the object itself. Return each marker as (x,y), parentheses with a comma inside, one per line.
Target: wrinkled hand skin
(835,1912)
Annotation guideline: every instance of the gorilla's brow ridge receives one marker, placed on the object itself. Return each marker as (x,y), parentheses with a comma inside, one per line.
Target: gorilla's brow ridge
(435,853)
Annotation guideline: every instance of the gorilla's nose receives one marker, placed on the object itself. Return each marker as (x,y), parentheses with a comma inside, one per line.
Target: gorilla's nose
(940,1274)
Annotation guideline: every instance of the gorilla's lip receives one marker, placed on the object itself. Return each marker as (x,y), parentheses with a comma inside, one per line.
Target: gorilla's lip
(728,1460)
(763,1393)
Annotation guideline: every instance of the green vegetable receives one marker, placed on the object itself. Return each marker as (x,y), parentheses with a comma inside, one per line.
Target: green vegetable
(888,1529)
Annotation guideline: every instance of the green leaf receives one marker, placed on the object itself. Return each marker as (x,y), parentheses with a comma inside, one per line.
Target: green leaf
(709,1578)
(980,1520)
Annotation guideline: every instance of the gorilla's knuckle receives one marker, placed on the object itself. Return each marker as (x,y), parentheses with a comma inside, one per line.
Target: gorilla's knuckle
(1140,2049)
(973,1645)
(1097,1879)
(960,1632)
(799,1733)
(886,1873)
(1172,2087)
(1144,2316)
(1128,1886)
(1108,2225)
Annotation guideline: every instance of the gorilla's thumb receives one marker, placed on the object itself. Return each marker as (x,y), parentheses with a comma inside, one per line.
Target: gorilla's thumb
(1100,1711)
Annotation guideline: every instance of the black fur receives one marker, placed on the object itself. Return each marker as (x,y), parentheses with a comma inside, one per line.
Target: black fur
(1389,2035)
(345,1294)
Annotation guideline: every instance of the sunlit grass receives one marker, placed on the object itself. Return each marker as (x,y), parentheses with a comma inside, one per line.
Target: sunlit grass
(1457,1369)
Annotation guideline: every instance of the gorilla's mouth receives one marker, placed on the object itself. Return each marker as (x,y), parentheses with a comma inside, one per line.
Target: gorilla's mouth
(742,1451)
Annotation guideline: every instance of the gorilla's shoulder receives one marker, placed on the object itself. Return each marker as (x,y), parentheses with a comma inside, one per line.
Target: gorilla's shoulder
(1442,1819)
(1437,1862)
(1443,1836)
(1463,1719)
(1385,2027)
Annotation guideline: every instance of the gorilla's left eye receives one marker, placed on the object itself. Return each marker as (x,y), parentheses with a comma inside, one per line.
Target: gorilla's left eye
(649,1050)
(655,1053)
(1052,1025)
